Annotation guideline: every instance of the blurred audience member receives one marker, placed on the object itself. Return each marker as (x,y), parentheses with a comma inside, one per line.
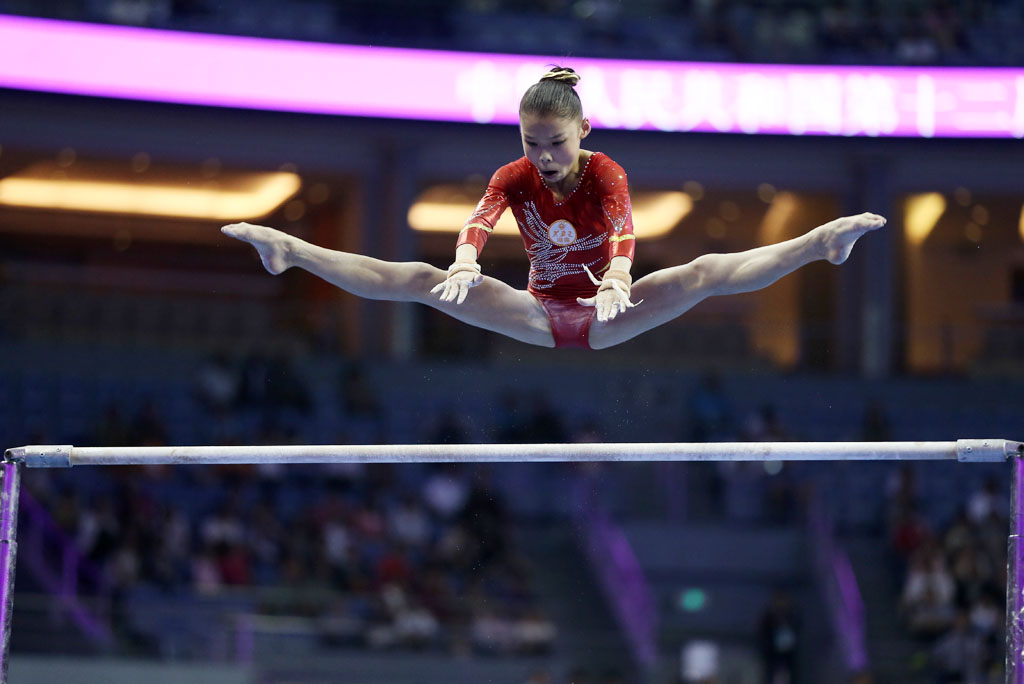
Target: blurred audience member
(699,662)
(875,424)
(927,598)
(112,429)
(217,383)
(957,656)
(779,640)
(711,417)
(446,491)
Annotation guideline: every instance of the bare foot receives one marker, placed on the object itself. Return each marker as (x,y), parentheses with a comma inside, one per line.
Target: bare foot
(838,236)
(273,245)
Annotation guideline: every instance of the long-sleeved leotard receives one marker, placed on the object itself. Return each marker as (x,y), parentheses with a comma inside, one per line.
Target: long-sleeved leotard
(590,226)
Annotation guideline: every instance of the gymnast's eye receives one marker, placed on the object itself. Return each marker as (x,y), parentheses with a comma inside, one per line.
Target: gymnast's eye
(557,142)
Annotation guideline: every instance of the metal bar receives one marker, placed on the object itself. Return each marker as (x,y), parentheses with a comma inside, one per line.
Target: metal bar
(9,488)
(1015,579)
(42,456)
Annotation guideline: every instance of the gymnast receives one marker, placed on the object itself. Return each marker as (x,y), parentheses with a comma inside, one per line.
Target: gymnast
(573,210)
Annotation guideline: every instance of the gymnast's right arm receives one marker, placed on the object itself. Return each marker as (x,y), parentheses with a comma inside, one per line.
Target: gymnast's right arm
(464,273)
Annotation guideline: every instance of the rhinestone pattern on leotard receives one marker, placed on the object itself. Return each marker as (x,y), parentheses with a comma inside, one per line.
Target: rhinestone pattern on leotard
(547,260)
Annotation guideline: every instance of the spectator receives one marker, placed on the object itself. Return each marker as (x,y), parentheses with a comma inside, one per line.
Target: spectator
(286,389)
(446,491)
(710,411)
(908,531)
(449,429)
(613,676)
(545,426)
(254,381)
(927,598)
(779,641)
(579,675)
(206,579)
(217,383)
(357,395)
(224,526)
(409,523)
(535,633)
(148,429)
(699,662)
(765,426)
(112,429)
(989,499)
(875,424)
(492,634)
(511,421)
(960,534)
(98,531)
(958,654)
(233,562)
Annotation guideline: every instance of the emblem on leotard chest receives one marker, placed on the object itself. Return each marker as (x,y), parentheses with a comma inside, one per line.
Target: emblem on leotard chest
(562,232)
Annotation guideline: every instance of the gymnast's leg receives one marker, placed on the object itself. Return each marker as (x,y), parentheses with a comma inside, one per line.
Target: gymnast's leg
(671,292)
(492,305)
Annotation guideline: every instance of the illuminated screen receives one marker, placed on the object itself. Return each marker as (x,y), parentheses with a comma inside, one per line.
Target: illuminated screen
(256,73)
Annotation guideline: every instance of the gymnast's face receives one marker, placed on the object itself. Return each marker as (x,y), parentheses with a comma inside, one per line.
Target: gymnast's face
(552,144)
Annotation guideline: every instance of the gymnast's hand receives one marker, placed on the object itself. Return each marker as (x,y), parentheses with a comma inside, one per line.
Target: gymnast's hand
(462,276)
(612,296)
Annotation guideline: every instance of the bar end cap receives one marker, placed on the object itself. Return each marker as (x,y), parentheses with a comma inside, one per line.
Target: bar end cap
(987,450)
(41,455)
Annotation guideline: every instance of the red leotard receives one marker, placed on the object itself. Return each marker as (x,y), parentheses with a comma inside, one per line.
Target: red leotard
(590,226)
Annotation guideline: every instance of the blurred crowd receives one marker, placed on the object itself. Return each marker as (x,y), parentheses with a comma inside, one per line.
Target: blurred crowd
(381,557)
(954,581)
(977,32)
(429,557)
(422,557)
(378,563)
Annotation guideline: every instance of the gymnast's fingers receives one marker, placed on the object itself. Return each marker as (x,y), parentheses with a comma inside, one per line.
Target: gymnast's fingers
(463,290)
(589,301)
(438,288)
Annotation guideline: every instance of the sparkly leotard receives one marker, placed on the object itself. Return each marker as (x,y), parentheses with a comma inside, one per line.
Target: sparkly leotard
(590,226)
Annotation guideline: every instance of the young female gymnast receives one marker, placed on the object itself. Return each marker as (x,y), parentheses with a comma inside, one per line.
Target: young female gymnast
(573,210)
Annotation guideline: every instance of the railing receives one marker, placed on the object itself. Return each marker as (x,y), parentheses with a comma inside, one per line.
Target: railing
(839,585)
(619,574)
(61,569)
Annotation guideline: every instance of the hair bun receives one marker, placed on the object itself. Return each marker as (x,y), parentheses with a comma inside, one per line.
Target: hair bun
(562,75)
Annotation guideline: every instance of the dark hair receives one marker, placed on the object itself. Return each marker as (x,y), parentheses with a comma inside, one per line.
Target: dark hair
(553,95)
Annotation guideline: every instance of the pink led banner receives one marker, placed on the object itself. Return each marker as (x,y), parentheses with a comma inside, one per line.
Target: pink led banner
(167,66)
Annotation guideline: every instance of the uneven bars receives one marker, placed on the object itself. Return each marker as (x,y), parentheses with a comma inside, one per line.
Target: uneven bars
(968,450)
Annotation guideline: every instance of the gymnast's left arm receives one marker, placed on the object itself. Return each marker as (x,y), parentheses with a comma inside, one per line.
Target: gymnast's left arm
(613,290)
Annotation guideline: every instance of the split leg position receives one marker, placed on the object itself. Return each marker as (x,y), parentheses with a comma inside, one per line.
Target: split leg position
(496,306)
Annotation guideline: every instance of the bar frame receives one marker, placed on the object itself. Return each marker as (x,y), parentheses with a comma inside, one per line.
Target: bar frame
(963,450)
(10,489)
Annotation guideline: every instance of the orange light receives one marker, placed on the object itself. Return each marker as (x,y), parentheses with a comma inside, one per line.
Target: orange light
(235,197)
(446,208)
(923,211)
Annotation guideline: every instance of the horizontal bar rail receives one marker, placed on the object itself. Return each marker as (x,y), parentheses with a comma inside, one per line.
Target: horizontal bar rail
(966,450)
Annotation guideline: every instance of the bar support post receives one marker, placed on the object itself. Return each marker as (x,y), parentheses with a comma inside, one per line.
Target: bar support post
(9,490)
(1015,577)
